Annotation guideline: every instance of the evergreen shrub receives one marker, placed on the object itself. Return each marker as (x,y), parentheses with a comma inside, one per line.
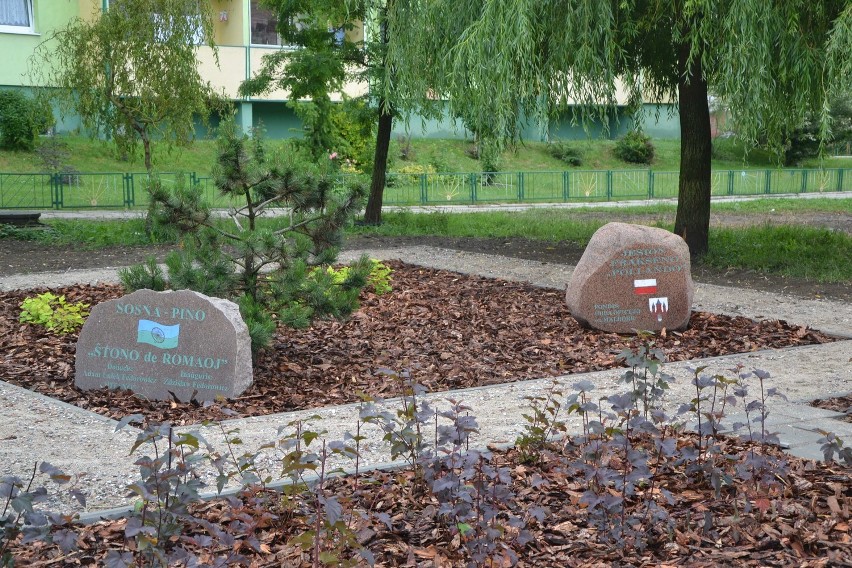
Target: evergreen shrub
(635,147)
(21,119)
(566,152)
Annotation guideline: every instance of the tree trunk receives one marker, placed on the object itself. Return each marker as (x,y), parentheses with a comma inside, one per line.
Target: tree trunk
(149,167)
(373,213)
(692,221)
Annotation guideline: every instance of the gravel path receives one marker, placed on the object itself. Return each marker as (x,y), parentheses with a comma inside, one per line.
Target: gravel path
(38,428)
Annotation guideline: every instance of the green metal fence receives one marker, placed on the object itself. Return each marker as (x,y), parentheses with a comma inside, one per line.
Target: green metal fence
(126,190)
(599,185)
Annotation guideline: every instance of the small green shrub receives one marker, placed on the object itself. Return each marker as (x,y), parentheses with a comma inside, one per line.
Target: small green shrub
(440,163)
(54,313)
(562,150)
(634,147)
(489,155)
(378,279)
(415,170)
(147,275)
(21,118)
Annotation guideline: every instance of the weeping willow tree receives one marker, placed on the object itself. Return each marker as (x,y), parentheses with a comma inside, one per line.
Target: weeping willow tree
(772,62)
(131,72)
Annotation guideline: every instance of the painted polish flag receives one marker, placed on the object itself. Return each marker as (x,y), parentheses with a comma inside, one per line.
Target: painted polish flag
(648,286)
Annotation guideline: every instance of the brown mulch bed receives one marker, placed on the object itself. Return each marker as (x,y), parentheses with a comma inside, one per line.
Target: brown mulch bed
(455,331)
(450,330)
(797,516)
(837,404)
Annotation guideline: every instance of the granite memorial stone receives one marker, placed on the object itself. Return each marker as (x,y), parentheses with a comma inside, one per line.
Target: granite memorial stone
(632,277)
(158,343)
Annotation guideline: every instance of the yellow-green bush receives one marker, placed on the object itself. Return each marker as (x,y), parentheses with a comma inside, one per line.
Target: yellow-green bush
(54,313)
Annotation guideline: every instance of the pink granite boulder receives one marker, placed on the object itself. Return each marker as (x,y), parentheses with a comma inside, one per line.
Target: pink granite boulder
(632,277)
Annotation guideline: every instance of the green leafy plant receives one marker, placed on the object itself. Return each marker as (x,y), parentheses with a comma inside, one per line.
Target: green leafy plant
(542,423)
(168,485)
(21,118)
(54,313)
(19,518)
(635,147)
(42,233)
(832,445)
(403,429)
(379,278)
(568,153)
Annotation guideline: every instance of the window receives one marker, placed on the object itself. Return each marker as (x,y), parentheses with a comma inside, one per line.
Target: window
(164,27)
(264,25)
(16,16)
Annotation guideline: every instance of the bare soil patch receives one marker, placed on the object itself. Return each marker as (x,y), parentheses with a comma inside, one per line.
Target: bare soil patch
(28,257)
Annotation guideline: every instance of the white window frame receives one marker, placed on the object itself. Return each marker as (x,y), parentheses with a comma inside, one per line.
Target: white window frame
(7,29)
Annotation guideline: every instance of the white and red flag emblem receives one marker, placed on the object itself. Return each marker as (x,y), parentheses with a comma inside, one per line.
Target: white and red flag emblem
(647,286)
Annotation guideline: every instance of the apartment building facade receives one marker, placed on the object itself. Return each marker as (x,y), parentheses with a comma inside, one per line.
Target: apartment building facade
(245,31)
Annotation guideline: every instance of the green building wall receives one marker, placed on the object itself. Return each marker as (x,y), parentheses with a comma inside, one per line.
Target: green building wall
(16,48)
(658,121)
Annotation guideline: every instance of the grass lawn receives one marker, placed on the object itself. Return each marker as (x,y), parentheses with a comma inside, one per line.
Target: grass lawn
(819,254)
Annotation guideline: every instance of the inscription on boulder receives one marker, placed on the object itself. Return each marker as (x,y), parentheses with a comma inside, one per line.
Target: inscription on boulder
(632,277)
(158,343)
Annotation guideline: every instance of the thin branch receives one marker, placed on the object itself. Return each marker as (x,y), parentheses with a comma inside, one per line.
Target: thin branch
(260,205)
(233,216)
(298,225)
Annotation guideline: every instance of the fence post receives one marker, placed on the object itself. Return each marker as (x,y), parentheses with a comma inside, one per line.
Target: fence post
(472,187)
(609,185)
(56,195)
(423,189)
(521,187)
(767,185)
(565,183)
(131,190)
(804,181)
(839,179)
(650,184)
(730,182)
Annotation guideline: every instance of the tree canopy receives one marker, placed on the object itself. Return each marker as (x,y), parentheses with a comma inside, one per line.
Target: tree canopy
(318,69)
(325,60)
(772,62)
(131,72)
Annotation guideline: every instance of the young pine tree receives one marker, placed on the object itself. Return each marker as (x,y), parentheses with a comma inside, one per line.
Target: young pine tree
(275,269)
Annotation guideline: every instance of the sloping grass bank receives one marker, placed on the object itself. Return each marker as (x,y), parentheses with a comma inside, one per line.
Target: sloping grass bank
(443,155)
